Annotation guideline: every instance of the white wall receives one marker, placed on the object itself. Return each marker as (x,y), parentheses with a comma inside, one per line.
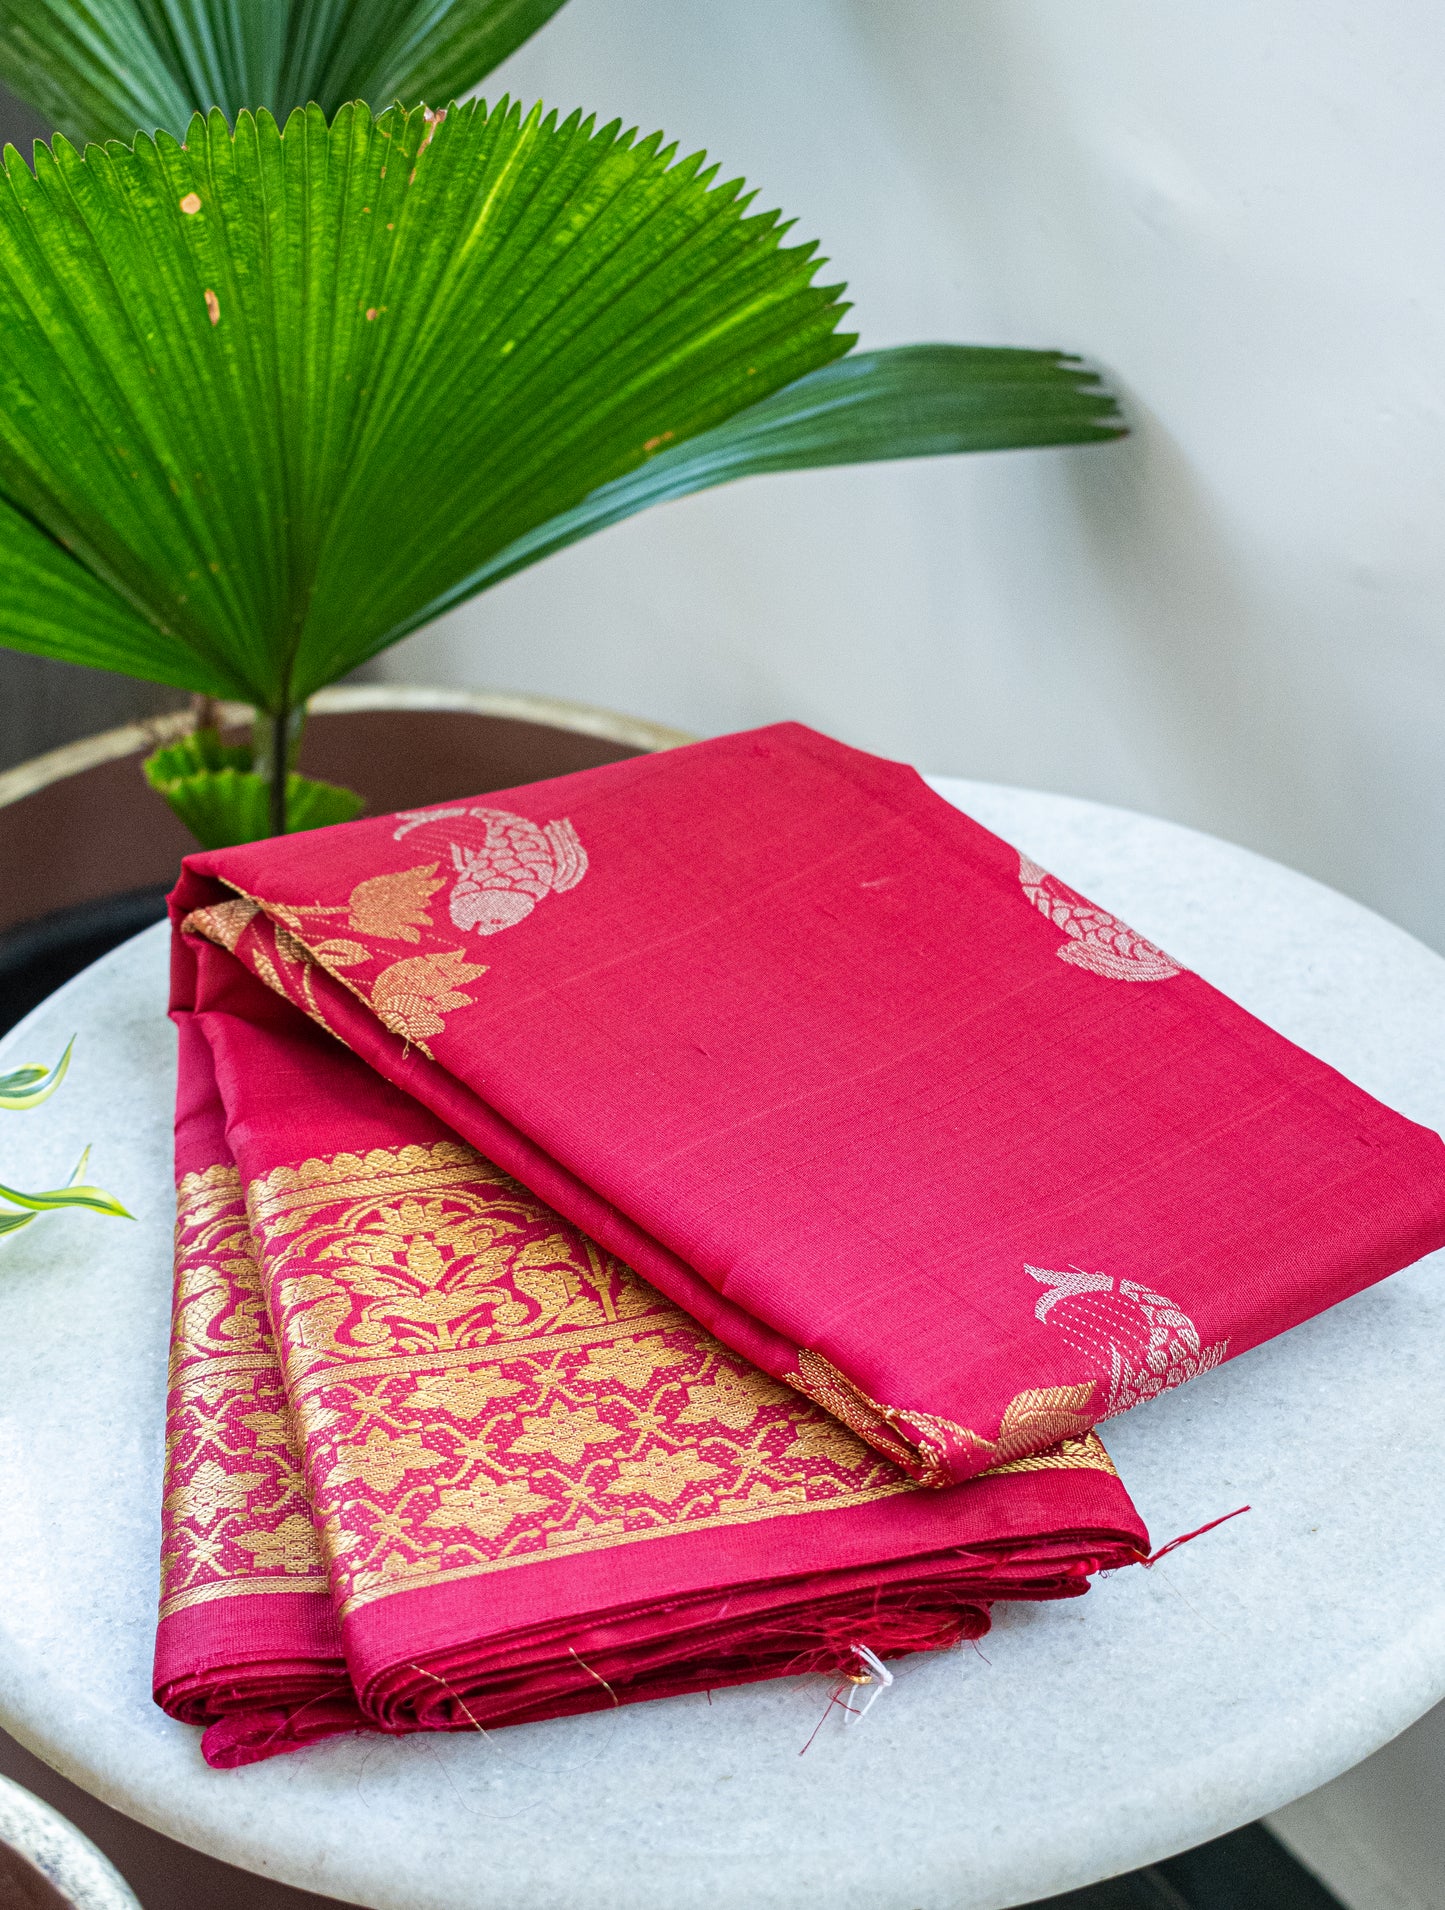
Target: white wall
(1232,619)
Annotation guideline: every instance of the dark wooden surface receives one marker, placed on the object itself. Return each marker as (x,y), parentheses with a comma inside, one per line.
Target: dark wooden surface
(23,1887)
(163,1874)
(105,831)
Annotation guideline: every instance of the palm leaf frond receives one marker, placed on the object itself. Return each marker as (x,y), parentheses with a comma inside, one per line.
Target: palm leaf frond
(913,401)
(271,400)
(268,396)
(98,69)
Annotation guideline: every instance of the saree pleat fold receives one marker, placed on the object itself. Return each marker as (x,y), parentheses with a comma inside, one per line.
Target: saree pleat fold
(435,1460)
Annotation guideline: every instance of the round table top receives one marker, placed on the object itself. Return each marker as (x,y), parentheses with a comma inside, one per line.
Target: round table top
(1084,1739)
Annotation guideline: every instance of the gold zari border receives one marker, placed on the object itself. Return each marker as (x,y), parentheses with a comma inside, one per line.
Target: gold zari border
(598,1416)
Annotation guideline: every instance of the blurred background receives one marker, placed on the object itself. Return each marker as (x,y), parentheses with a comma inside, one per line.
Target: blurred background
(1230,619)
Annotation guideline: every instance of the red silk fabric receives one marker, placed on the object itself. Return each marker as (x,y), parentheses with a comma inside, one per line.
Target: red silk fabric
(888,1109)
(436,1460)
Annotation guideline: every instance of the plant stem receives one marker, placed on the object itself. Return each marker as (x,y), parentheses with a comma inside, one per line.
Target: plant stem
(271,759)
(275,742)
(280,768)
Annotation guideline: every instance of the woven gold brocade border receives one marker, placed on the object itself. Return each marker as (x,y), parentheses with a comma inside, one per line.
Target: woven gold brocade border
(287,1194)
(480,1386)
(1042,1429)
(1084,1453)
(477,1384)
(236,1516)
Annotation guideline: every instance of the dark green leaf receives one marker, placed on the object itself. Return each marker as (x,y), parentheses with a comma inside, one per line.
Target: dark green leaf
(914,401)
(100,69)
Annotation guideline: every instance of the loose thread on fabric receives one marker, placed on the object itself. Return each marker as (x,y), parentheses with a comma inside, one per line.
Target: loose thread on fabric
(901,1624)
(616,1701)
(835,1697)
(456,1698)
(1185,1537)
(877,1674)
(290,1717)
(489,1738)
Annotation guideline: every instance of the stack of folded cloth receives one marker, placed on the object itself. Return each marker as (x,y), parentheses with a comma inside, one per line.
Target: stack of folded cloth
(680,1224)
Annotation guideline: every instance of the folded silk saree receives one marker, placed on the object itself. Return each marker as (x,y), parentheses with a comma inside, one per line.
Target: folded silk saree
(437,1460)
(889,1110)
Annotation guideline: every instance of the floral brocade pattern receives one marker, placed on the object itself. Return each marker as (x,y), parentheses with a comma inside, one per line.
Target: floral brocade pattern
(476,1384)
(480,1386)
(411,995)
(236,1514)
(495,867)
(1045,1428)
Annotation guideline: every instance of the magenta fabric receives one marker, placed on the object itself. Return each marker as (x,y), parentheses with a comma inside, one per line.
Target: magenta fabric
(889,1109)
(435,1460)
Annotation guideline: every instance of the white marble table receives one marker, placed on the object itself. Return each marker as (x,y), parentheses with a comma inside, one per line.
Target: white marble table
(1165,1708)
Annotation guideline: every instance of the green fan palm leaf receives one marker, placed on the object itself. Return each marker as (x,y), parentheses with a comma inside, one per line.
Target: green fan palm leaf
(98,69)
(913,401)
(272,399)
(279,391)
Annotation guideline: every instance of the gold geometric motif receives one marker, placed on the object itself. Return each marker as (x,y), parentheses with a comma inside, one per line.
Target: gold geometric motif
(564,1432)
(727,1401)
(664,1476)
(382,1460)
(291,1547)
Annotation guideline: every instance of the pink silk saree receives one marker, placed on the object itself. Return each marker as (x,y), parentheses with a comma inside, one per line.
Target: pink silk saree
(437,1460)
(890,1111)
